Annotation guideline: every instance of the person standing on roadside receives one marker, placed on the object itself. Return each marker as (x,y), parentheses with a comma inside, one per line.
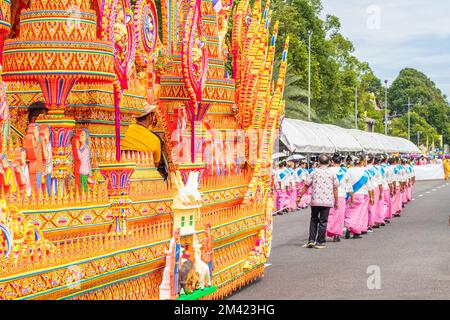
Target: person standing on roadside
(324,196)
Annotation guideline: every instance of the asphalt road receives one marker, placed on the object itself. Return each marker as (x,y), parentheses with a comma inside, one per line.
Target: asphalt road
(411,256)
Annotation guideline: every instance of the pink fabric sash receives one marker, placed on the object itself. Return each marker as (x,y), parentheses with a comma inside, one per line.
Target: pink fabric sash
(356,214)
(336,218)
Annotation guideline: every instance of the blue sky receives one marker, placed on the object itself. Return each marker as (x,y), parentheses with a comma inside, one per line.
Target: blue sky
(393,34)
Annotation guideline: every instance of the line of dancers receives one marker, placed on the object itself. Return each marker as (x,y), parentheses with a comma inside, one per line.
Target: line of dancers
(372,190)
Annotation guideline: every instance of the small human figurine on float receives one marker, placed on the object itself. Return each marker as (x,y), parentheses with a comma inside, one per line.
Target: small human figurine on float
(176,260)
(170,284)
(22,172)
(7,178)
(83,155)
(33,146)
(208,249)
(4,118)
(47,158)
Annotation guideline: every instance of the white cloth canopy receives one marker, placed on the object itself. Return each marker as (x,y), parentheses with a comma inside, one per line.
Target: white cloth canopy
(309,137)
(341,139)
(303,137)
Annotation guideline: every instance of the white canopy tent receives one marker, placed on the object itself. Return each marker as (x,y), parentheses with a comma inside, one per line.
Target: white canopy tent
(341,139)
(303,137)
(308,137)
(368,142)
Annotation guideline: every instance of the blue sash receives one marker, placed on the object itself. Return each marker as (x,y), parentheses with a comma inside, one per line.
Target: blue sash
(299,171)
(282,174)
(380,168)
(340,175)
(310,170)
(359,184)
(371,172)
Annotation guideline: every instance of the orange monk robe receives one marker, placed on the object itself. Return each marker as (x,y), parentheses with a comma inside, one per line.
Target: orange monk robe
(139,138)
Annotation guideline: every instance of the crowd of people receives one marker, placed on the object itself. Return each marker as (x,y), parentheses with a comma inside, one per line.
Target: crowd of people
(349,196)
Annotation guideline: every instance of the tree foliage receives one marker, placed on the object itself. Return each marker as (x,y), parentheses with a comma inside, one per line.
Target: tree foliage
(335,72)
(430,108)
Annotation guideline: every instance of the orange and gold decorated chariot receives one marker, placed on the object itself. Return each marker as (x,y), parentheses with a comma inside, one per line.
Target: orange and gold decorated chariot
(123,231)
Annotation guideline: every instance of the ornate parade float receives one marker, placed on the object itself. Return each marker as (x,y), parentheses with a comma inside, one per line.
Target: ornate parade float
(122,231)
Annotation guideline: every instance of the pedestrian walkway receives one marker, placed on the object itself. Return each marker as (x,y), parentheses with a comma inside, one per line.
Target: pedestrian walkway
(412,255)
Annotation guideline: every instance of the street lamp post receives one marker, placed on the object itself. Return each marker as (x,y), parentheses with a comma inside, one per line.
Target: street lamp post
(418,137)
(356,108)
(385,108)
(309,75)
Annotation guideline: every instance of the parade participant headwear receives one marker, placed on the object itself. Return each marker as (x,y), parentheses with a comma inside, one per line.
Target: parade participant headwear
(148,108)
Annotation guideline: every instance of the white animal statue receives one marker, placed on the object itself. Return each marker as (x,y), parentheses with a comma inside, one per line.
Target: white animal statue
(201,268)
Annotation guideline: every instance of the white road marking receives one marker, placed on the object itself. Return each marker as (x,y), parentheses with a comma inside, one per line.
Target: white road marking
(433,190)
(420,195)
(428,192)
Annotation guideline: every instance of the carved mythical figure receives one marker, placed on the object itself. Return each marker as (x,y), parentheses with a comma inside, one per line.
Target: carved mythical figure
(4,118)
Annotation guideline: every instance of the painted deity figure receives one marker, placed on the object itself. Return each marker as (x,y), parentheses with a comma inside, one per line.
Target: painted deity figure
(22,172)
(120,33)
(222,25)
(4,118)
(197,55)
(83,154)
(33,146)
(7,178)
(47,158)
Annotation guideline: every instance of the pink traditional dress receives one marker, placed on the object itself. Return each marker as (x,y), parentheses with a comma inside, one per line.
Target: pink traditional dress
(406,179)
(411,178)
(377,208)
(335,226)
(301,175)
(397,201)
(306,199)
(281,180)
(356,213)
(386,181)
(292,190)
(372,207)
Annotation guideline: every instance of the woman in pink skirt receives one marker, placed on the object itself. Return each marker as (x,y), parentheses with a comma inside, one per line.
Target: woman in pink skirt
(335,226)
(306,199)
(379,194)
(386,181)
(373,177)
(281,178)
(357,210)
(292,187)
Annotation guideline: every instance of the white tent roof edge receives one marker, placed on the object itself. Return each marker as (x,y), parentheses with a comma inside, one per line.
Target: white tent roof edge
(309,137)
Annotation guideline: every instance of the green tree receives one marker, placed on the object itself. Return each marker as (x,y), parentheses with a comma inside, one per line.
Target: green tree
(428,101)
